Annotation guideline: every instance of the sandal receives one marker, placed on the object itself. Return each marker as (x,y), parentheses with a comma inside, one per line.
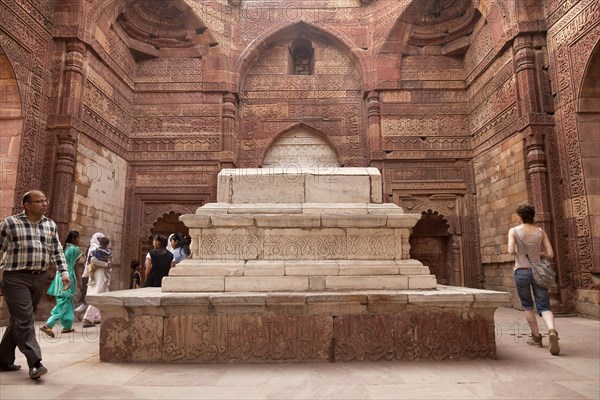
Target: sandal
(87,323)
(47,330)
(65,330)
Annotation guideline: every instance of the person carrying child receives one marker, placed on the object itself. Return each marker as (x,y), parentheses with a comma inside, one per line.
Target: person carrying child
(101,257)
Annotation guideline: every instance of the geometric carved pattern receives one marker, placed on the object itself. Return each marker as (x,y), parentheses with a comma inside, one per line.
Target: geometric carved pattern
(290,245)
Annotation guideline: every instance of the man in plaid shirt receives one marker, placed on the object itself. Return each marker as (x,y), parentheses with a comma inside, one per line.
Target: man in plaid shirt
(28,245)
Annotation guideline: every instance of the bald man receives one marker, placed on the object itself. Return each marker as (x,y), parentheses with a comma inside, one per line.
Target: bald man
(28,245)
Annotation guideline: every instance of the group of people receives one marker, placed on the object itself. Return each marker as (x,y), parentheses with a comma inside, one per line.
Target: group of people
(29,244)
(166,253)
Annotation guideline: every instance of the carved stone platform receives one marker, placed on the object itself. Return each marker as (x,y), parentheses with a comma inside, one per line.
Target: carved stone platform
(309,266)
(147,325)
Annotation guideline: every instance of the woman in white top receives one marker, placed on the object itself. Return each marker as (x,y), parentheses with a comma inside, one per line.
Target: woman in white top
(180,251)
(530,241)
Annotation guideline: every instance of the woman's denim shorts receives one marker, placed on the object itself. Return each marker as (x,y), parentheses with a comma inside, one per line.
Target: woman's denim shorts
(524,283)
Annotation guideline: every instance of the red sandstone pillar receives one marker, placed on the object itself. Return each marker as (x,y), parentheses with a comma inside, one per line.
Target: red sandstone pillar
(229,112)
(533,125)
(65,127)
(374,126)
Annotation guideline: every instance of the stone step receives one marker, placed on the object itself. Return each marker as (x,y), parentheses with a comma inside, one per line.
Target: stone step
(280,216)
(297,283)
(299,268)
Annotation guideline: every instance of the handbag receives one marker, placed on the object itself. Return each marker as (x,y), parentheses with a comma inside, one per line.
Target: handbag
(542,271)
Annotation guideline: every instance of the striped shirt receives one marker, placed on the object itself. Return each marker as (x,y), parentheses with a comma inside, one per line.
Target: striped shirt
(25,245)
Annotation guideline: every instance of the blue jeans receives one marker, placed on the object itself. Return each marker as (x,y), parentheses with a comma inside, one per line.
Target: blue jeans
(524,283)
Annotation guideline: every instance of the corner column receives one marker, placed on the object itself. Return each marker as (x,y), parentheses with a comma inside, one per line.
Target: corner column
(66,126)
(536,123)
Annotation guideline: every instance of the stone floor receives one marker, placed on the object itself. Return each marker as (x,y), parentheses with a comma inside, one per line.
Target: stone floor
(520,372)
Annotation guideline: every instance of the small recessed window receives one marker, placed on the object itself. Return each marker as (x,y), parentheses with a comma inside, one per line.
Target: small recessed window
(302,60)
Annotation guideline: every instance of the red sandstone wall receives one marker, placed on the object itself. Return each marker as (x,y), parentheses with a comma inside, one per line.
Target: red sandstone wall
(99,198)
(573,34)
(449,132)
(498,154)
(11,127)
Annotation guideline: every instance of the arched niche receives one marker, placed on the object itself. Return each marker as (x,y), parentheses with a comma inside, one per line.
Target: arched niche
(302,60)
(301,147)
(11,128)
(273,100)
(286,35)
(431,243)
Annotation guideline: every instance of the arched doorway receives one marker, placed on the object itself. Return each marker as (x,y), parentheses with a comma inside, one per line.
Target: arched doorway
(165,225)
(431,243)
(588,124)
(11,127)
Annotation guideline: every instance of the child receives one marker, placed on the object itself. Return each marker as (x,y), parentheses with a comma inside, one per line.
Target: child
(136,276)
(100,258)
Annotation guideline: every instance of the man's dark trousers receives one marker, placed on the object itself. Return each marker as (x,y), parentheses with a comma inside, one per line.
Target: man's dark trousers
(22,293)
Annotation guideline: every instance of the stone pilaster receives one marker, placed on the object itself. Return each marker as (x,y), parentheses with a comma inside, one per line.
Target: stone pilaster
(65,127)
(229,113)
(533,125)
(374,125)
(536,124)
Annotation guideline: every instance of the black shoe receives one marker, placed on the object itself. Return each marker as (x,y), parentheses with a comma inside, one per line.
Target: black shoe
(9,367)
(37,372)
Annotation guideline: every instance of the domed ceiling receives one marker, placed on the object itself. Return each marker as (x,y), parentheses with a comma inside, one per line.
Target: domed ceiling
(439,22)
(162,24)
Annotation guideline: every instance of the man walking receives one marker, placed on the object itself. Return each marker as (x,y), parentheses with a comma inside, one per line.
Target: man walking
(28,245)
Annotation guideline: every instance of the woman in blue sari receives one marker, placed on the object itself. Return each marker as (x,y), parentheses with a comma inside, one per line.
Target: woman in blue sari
(64,310)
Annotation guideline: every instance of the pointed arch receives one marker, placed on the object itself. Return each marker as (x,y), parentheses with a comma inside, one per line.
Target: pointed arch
(155,212)
(588,90)
(292,30)
(318,148)
(588,115)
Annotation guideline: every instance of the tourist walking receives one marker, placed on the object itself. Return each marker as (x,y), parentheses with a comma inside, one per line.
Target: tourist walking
(28,245)
(159,263)
(85,276)
(98,283)
(64,310)
(526,241)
